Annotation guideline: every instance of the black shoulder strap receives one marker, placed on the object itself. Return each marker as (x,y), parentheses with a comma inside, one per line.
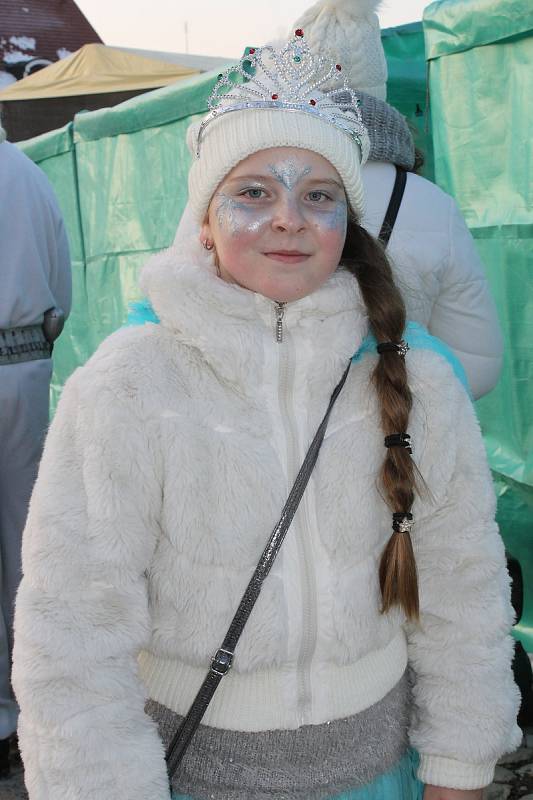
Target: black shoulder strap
(394,206)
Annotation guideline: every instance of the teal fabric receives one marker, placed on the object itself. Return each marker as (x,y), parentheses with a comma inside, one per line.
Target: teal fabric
(415,335)
(141,312)
(400,783)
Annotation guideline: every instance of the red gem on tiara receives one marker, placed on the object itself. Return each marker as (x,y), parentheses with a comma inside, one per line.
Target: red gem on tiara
(312,102)
(298,32)
(337,66)
(274,97)
(251,51)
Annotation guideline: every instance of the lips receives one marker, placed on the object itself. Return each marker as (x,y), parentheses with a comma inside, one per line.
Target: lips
(287,256)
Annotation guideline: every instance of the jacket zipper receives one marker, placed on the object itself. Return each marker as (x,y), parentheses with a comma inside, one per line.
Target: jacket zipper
(307,573)
(280,313)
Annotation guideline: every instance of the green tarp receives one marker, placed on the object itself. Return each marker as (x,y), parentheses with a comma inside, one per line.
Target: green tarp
(406,85)
(480,56)
(121,177)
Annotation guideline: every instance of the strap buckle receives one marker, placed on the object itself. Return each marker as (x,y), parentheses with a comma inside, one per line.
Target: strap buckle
(221,661)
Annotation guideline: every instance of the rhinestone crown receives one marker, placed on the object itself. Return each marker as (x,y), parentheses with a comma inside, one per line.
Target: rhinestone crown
(291,79)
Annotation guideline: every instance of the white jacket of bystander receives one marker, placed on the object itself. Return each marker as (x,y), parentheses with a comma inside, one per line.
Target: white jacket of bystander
(439,271)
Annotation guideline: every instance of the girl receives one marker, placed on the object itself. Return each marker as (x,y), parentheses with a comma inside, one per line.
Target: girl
(169,461)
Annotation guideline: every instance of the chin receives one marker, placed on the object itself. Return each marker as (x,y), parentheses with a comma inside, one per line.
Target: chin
(289,294)
(286,296)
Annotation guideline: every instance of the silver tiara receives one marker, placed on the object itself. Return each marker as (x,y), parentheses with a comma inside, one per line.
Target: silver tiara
(291,79)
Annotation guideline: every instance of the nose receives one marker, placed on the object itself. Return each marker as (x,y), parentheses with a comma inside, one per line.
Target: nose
(288,216)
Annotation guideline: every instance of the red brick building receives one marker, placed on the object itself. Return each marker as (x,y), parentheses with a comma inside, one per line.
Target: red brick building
(35,33)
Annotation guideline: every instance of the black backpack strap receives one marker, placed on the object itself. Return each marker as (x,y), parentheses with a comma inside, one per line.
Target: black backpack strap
(394,206)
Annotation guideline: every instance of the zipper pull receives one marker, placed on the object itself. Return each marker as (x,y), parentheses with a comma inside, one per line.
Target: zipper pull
(280,312)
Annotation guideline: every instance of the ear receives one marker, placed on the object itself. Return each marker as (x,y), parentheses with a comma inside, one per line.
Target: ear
(205,231)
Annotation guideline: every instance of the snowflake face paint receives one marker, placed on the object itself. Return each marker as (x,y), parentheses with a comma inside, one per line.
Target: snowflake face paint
(278,221)
(289,173)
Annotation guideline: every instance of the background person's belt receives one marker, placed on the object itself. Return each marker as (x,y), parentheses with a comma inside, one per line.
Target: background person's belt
(23,344)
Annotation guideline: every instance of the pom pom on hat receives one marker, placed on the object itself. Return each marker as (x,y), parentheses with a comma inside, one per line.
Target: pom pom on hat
(349,31)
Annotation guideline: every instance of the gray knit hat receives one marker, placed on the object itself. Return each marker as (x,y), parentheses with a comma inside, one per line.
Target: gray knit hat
(390,137)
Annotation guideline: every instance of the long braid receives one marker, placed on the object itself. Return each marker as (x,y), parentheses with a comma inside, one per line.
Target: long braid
(366,259)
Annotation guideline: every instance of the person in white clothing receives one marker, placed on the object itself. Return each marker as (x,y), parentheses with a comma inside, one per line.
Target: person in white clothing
(376,661)
(431,250)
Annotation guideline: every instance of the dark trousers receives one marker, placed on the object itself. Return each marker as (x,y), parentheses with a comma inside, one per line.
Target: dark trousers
(24,408)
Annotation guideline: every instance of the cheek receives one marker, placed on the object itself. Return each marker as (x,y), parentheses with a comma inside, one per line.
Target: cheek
(330,228)
(336,220)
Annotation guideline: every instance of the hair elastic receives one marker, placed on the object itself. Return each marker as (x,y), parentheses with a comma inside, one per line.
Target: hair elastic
(399,440)
(400,348)
(402,522)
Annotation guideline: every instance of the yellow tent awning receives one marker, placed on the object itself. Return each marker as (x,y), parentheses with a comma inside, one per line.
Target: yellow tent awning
(96,69)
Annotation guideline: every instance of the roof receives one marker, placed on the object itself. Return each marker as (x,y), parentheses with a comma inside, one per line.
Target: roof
(41,29)
(201,63)
(96,69)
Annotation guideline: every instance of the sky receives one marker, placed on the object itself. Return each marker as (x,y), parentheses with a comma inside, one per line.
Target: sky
(214,28)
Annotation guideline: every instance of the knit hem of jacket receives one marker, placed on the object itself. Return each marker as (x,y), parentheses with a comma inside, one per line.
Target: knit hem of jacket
(257,701)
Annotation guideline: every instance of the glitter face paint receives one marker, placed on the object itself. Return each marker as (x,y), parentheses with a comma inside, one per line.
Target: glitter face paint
(236,216)
(289,173)
(278,221)
(338,218)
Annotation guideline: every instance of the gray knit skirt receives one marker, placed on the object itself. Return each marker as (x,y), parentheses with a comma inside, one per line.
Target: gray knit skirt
(363,757)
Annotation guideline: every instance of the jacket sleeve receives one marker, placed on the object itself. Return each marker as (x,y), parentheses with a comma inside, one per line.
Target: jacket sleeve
(465,701)
(82,610)
(464,314)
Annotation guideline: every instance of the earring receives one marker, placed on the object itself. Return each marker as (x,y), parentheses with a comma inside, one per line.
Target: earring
(208,245)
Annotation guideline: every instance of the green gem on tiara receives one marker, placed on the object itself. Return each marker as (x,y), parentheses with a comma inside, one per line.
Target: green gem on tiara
(297,59)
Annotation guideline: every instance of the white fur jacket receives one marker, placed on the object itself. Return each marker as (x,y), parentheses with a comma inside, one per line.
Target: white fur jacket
(165,469)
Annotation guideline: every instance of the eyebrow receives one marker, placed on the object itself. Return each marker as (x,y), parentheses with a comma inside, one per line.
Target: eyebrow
(264,178)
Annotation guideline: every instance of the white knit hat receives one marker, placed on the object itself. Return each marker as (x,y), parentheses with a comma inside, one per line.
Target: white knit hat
(281,103)
(349,31)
